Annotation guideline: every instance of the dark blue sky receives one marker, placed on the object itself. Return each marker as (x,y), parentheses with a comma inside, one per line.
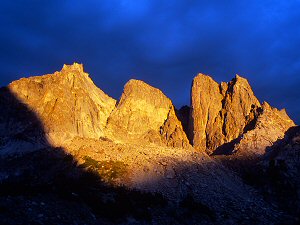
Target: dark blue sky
(165,43)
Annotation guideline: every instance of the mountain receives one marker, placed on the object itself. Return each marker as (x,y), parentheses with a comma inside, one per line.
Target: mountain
(145,114)
(220,112)
(227,117)
(67,103)
(71,154)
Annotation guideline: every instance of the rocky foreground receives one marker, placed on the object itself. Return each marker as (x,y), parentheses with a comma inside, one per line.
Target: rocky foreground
(70,154)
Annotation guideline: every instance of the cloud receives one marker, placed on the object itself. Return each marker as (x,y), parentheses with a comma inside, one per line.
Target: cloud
(165,43)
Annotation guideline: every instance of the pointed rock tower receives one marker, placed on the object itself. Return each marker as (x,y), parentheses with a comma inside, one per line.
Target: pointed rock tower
(205,123)
(224,113)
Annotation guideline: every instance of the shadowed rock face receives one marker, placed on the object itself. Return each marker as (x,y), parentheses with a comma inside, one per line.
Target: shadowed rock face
(145,113)
(285,155)
(221,113)
(67,102)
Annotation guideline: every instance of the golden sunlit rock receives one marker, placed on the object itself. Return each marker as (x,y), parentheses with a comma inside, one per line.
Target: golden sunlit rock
(270,126)
(66,102)
(221,113)
(145,114)
(61,131)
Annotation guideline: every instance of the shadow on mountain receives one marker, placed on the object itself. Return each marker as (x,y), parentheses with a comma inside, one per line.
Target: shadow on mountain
(278,146)
(183,115)
(226,148)
(276,174)
(42,184)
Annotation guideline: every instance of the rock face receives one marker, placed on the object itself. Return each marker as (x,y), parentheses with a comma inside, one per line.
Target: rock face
(67,104)
(145,113)
(219,112)
(205,125)
(270,125)
(240,106)
(222,113)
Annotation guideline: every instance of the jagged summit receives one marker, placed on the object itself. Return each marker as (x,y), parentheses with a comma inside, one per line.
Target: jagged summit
(73,71)
(67,102)
(221,113)
(238,77)
(74,67)
(61,132)
(70,105)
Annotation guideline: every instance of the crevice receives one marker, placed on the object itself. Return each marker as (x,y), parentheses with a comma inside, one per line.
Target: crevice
(224,121)
(92,121)
(183,115)
(113,109)
(255,112)
(53,107)
(207,141)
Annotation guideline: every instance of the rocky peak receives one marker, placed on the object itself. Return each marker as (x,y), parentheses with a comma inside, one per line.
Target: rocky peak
(221,113)
(67,103)
(75,67)
(280,116)
(206,104)
(145,113)
(238,104)
(141,91)
(71,73)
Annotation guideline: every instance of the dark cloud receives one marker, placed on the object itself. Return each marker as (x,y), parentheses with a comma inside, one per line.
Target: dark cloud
(165,43)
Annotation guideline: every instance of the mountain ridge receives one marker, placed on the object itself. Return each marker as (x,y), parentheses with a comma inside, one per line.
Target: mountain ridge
(141,142)
(219,113)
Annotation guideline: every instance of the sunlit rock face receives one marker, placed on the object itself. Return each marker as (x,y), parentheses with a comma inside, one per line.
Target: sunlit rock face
(205,127)
(67,103)
(270,125)
(145,114)
(239,106)
(222,113)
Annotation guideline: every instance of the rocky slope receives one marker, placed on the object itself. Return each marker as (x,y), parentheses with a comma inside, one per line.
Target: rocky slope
(282,160)
(270,125)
